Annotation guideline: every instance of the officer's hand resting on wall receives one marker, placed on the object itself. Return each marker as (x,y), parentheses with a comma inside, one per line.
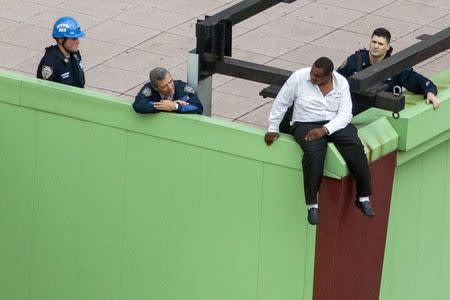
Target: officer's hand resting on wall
(166,105)
(431,98)
(270,137)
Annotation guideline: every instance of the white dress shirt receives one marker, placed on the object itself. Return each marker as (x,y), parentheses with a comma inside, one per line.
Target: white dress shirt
(310,105)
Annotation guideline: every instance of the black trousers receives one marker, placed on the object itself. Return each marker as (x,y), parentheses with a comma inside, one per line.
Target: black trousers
(349,145)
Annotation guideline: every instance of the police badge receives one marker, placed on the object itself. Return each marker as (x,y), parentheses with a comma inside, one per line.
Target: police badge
(188,89)
(147,92)
(46,72)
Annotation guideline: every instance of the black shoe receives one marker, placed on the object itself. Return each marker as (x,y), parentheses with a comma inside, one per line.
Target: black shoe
(313,216)
(366,208)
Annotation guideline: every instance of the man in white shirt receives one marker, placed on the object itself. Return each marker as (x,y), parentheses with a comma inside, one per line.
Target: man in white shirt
(322,114)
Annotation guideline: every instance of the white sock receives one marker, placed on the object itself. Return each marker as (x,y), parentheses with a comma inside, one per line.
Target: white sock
(309,206)
(363,199)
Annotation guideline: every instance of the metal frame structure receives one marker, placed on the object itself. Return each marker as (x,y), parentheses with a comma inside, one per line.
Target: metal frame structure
(214,51)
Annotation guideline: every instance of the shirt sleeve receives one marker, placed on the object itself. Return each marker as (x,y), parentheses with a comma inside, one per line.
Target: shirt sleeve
(415,82)
(282,102)
(46,70)
(143,102)
(344,114)
(194,105)
(348,67)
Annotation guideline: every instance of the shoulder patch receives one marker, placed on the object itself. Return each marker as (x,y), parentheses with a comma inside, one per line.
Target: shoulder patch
(189,89)
(147,92)
(46,72)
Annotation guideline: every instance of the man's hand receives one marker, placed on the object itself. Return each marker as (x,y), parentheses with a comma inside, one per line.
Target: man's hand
(316,133)
(181,102)
(270,137)
(165,105)
(431,98)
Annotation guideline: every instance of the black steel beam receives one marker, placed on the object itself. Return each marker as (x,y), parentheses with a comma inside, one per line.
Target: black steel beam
(423,36)
(240,11)
(270,92)
(400,61)
(251,71)
(390,102)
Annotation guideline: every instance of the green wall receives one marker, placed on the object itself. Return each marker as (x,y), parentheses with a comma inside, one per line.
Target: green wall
(97,202)
(417,263)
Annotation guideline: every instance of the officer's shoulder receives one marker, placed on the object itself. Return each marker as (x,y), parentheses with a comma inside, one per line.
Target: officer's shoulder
(359,52)
(51,54)
(147,90)
(51,50)
(179,82)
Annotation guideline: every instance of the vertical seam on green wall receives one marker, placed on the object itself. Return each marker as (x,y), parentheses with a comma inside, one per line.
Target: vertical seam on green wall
(419,217)
(260,228)
(444,208)
(169,225)
(33,210)
(124,225)
(305,270)
(20,92)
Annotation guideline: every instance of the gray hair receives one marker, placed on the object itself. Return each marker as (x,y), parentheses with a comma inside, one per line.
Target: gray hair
(156,75)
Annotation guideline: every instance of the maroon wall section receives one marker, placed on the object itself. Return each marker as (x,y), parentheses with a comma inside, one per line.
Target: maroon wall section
(350,246)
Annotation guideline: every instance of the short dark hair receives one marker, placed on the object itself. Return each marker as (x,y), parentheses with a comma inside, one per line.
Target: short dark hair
(325,64)
(382,32)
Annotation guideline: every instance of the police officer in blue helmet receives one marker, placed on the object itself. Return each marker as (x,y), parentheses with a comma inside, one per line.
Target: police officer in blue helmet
(62,62)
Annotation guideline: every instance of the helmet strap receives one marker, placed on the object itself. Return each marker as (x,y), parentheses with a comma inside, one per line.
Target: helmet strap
(64,47)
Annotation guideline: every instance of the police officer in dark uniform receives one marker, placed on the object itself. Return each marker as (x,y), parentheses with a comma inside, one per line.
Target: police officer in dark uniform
(62,62)
(378,50)
(163,93)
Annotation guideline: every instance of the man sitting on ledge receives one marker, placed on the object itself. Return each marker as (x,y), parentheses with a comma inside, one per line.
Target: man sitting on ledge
(163,93)
(322,114)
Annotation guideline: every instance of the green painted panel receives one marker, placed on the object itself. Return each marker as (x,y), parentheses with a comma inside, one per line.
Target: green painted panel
(403,157)
(215,224)
(79,210)
(10,88)
(101,209)
(17,136)
(56,259)
(430,223)
(415,265)
(287,241)
(444,269)
(401,254)
(147,214)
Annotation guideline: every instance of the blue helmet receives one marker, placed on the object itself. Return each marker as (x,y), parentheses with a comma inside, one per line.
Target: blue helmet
(67,27)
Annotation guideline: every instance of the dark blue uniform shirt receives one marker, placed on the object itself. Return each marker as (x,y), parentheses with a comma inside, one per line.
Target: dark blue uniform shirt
(54,66)
(408,78)
(147,96)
